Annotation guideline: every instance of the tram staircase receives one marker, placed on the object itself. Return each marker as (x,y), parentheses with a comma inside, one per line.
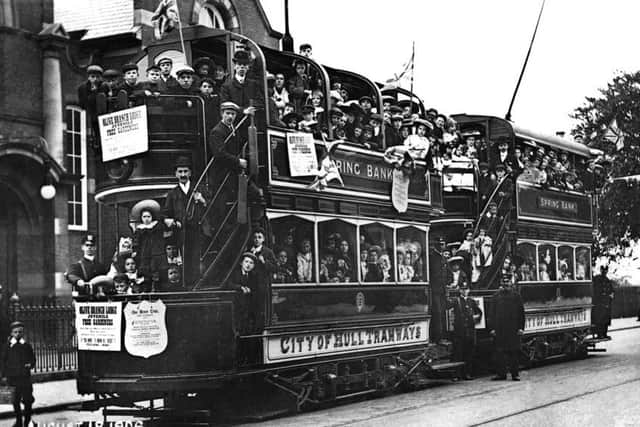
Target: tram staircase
(227,216)
(498,227)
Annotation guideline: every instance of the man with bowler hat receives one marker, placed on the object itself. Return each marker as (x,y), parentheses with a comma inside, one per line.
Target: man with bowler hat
(240,89)
(185,224)
(80,273)
(18,359)
(507,329)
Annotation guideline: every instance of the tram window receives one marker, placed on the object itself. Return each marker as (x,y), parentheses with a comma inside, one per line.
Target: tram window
(376,253)
(411,255)
(527,262)
(293,240)
(546,263)
(337,243)
(565,263)
(583,263)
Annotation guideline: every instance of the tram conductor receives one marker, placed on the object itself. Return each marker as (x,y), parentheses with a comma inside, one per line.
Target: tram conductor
(507,329)
(602,298)
(80,273)
(466,314)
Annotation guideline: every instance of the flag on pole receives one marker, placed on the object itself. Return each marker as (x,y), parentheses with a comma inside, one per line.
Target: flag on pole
(614,135)
(404,74)
(165,18)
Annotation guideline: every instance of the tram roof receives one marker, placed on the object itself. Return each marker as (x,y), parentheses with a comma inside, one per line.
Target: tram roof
(537,137)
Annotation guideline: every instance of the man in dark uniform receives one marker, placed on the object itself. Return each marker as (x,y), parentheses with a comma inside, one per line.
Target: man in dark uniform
(438,272)
(18,359)
(182,223)
(79,274)
(466,314)
(507,329)
(602,297)
(240,89)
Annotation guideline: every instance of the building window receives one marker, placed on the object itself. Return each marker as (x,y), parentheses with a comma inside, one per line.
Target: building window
(210,17)
(75,137)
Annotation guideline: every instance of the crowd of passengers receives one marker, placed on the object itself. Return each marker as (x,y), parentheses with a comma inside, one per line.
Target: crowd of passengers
(338,262)
(297,103)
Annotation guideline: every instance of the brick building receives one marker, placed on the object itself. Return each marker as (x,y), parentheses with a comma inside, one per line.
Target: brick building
(45,47)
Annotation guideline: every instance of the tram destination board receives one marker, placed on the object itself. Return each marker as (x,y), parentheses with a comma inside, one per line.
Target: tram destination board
(536,203)
(364,173)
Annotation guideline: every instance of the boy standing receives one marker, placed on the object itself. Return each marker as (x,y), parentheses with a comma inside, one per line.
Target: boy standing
(130,84)
(168,81)
(153,86)
(18,360)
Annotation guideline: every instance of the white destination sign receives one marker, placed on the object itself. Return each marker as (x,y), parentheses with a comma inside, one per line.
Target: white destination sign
(537,322)
(98,325)
(302,154)
(124,133)
(304,345)
(145,332)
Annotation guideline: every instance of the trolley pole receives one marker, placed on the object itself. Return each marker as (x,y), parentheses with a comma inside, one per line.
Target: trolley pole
(287,40)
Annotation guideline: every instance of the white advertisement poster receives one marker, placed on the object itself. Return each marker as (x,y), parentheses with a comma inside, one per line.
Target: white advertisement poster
(124,133)
(98,325)
(322,343)
(145,333)
(302,154)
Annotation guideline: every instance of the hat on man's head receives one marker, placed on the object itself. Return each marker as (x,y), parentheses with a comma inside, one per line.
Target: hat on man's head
(248,255)
(455,259)
(163,60)
(336,112)
(95,69)
(153,67)
(483,165)
(394,109)
(304,46)
(377,117)
(365,98)
(228,105)
(500,167)
(16,324)
(204,60)
(184,69)
(129,66)
(89,239)
(375,248)
(183,162)
(111,73)
(291,116)
(423,122)
(397,116)
(242,57)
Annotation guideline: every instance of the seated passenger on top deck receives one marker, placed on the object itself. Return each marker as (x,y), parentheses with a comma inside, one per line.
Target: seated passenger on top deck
(366,140)
(291,120)
(185,86)
(375,121)
(366,102)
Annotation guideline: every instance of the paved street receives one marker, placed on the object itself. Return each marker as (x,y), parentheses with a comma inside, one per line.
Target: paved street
(601,390)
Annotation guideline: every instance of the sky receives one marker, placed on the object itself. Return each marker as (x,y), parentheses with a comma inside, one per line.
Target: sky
(469,53)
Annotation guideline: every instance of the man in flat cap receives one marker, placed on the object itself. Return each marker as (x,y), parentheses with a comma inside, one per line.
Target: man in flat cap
(466,314)
(185,85)
(130,85)
(18,359)
(88,90)
(80,273)
(507,328)
(240,89)
(166,64)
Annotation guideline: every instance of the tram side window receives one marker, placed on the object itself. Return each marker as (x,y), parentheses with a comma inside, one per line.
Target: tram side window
(337,242)
(376,253)
(583,263)
(546,263)
(527,256)
(293,240)
(565,263)
(411,255)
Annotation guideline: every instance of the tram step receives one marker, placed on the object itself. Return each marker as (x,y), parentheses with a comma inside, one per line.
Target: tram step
(446,366)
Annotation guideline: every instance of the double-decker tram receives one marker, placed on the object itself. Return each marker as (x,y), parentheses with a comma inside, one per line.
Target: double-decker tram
(343,307)
(539,220)
(353,298)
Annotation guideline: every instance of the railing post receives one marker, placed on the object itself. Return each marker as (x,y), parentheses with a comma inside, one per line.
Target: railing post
(253,147)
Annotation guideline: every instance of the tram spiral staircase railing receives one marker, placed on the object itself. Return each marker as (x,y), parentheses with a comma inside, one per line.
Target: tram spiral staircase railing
(497,227)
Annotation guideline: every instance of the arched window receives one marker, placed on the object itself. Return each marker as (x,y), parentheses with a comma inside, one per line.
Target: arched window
(75,150)
(210,17)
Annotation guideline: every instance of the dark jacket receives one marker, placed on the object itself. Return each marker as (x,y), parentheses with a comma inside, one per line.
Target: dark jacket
(296,87)
(148,243)
(462,278)
(86,270)
(602,290)
(507,318)
(87,98)
(241,94)
(264,270)
(13,360)
(464,312)
(176,203)
(227,152)
(249,307)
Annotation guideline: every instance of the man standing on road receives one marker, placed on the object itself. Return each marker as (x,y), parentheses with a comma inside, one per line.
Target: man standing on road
(18,360)
(507,330)
(466,314)
(602,298)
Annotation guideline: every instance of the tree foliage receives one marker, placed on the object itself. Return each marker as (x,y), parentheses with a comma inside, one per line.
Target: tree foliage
(611,123)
